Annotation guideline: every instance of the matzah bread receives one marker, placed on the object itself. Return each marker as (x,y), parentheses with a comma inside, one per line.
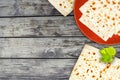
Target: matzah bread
(63,6)
(89,67)
(102,13)
(103,32)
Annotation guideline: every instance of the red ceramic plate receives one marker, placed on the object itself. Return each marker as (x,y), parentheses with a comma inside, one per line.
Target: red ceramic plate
(86,31)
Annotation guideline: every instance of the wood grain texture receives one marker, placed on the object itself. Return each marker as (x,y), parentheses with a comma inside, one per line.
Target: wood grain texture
(44,47)
(7,7)
(27,8)
(41,47)
(38,27)
(36,69)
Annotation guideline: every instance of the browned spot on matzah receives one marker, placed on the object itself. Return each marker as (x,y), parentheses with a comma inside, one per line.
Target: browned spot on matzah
(118,32)
(119,2)
(101,2)
(95,59)
(90,5)
(104,70)
(113,2)
(91,71)
(108,1)
(83,75)
(110,9)
(116,14)
(100,74)
(106,24)
(105,6)
(82,54)
(98,21)
(108,17)
(88,52)
(99,61)
(64,6)
(93,76)
(77,74)
(118,67)
(94,8)
(93,3)
(87,70)
(93,53)
(88,11)
(69,0)
(114,24)
(60,4)
(113,18)
(84,58)
(108,65)
(75,69)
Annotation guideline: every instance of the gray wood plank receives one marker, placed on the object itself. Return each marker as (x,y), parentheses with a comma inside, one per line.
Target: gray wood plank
(45,47)
(36,69)
(27,8)
(38,27)
(7,7)
(41,47)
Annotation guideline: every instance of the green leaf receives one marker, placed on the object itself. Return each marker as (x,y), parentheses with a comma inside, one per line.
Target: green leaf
(111,51)
(107,54)
(102,52)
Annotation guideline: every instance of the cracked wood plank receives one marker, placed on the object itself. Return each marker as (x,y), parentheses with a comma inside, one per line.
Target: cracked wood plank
(36,69)
(45,47)
(38,27)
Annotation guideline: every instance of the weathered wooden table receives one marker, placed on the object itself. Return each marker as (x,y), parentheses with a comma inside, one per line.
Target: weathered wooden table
(37,42)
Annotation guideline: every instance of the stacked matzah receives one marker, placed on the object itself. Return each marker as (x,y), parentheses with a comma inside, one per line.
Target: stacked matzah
(102,17)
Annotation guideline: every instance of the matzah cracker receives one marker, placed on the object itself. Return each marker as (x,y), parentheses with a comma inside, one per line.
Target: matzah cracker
(101,30)
(89,67)
(63,6)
